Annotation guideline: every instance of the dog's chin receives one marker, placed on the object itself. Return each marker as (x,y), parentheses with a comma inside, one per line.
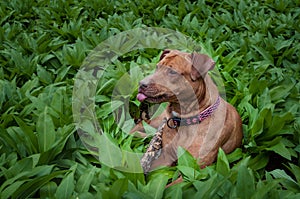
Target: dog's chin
(152,99)
(157,100)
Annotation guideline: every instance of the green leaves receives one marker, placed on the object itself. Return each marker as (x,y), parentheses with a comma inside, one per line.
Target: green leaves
(66,187)
(156,186)
(84,182)
(245,183)
(45,131)
(25,177)
(42,45)
(188,166)
(222,163)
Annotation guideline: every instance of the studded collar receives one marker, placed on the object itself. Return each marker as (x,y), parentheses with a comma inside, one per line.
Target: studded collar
(177,121)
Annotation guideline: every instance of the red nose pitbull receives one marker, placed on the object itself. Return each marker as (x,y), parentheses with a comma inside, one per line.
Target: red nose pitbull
(198,119)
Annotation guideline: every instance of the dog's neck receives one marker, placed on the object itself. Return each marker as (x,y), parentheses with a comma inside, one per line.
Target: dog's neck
(206,94)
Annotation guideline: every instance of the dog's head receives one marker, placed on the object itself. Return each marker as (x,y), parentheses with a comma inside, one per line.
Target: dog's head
(178,76)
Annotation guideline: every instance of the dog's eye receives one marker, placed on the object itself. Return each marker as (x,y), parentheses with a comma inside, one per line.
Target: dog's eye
(172,72)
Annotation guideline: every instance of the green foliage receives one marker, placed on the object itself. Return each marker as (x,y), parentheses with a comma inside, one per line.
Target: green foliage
(44,43)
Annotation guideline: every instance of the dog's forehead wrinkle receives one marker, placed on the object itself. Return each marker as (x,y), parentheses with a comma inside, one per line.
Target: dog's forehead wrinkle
(175,56)
(181,64)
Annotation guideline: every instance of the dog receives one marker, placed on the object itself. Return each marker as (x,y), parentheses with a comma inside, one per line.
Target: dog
(198,119)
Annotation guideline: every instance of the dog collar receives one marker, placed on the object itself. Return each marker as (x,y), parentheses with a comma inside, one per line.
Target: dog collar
(177,121)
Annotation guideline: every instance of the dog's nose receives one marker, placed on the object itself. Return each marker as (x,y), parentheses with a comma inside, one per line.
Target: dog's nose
(143,85)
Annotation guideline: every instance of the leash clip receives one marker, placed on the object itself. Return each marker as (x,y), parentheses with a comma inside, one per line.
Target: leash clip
(176,122)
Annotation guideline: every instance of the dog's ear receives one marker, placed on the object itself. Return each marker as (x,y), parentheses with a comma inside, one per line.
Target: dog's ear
(164,53)
(201,64)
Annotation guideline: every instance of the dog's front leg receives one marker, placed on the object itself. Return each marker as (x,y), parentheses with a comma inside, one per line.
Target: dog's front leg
(139,130)
(168,157)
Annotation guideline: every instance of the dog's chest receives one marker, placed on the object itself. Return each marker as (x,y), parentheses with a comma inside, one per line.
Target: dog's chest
(168,135)
(185,134)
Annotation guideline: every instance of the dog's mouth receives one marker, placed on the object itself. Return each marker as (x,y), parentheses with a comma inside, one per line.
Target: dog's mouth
(153,99)
(141,97)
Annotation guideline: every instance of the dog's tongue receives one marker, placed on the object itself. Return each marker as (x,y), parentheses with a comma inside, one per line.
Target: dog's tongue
(141,97)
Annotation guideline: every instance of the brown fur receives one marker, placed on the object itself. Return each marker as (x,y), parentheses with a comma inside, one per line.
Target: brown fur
(181,79)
